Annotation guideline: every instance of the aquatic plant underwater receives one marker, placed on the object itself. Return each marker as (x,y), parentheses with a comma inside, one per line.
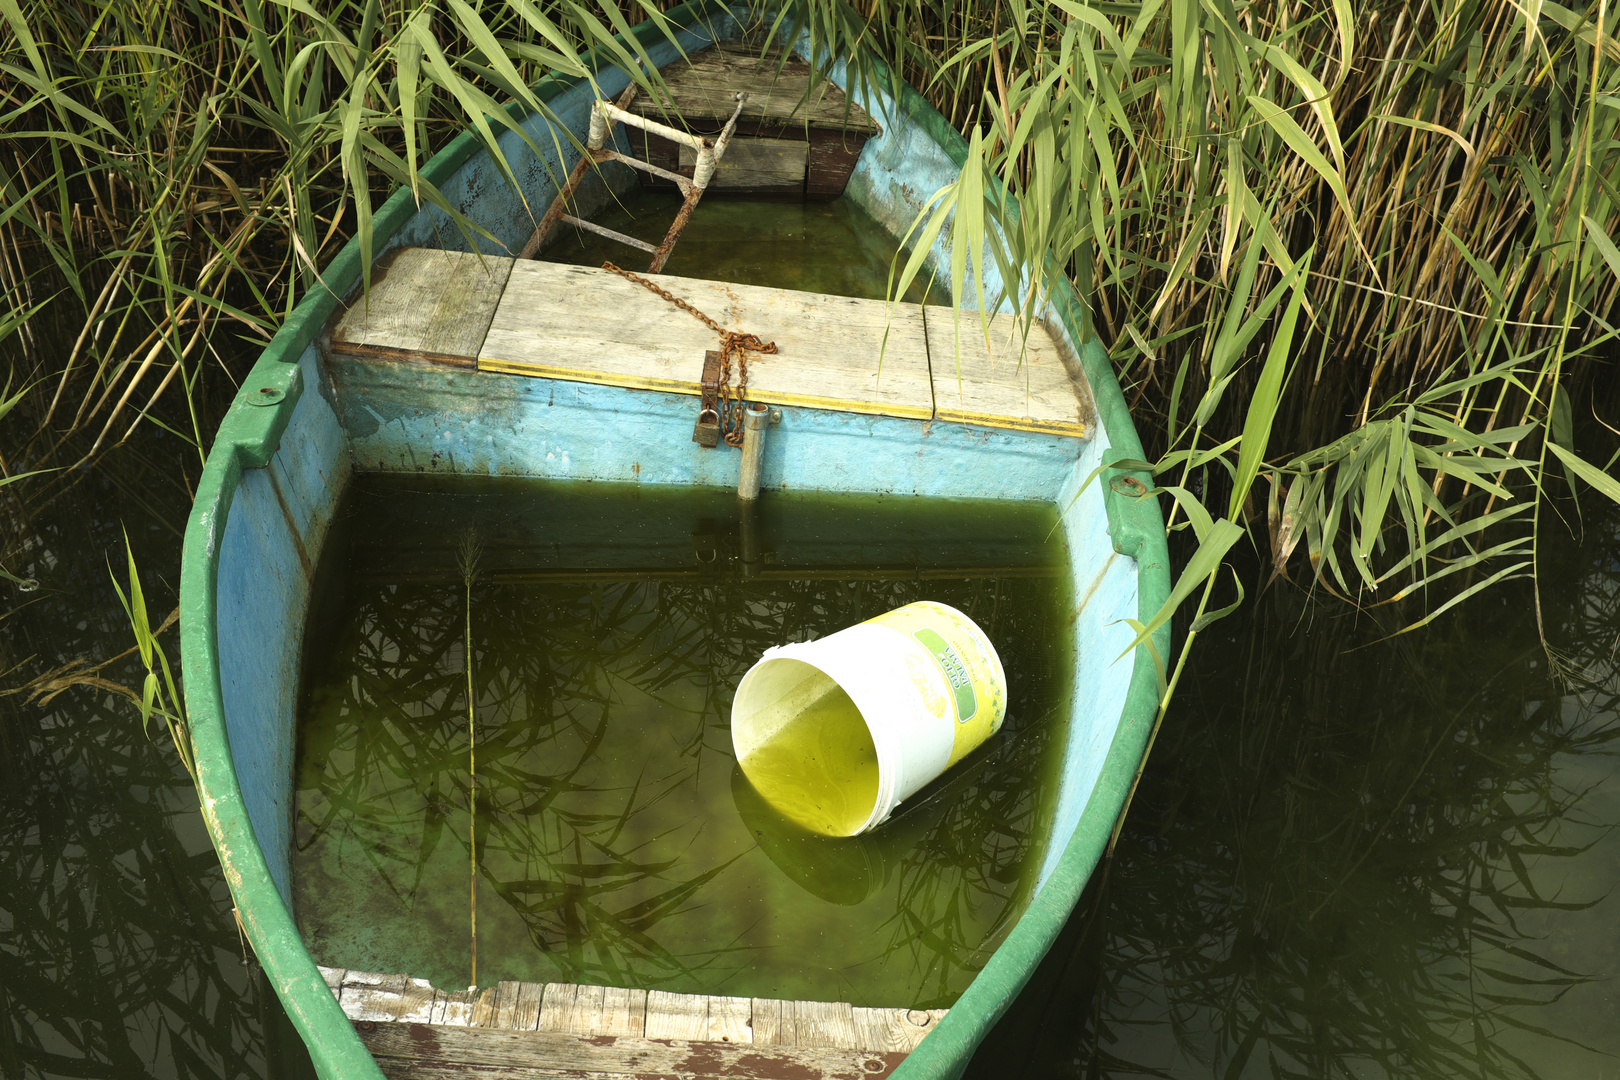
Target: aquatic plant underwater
(617,841)
(1356,264)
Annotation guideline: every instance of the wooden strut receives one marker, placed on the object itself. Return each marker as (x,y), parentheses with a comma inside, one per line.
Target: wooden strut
(604,116)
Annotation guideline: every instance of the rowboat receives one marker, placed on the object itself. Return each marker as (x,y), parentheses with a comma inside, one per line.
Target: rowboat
(481,363)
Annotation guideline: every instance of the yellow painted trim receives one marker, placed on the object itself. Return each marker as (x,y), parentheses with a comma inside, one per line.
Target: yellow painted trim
(677,386)
(1014,423)
(867,408)
(599,378)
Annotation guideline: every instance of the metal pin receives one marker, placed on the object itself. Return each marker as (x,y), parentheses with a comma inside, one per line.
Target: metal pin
(755,420)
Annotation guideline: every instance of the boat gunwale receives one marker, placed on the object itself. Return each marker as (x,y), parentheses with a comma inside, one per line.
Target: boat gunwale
(249,436)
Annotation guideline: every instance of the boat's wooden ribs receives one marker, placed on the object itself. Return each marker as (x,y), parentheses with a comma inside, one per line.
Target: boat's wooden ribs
(583,324)
(609,1030)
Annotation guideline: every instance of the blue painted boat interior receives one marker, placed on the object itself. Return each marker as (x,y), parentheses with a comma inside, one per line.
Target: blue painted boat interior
(358,415)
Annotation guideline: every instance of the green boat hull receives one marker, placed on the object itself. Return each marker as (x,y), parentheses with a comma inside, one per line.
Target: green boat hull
(303,424)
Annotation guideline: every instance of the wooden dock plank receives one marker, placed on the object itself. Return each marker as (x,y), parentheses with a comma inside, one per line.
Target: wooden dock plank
(730,1020)
(624,1012)
(590,325)
(498,1006)
(607,1013)
(419,1050)
(898,1030)
(1007,385)
(559,1009)
(677,1016)
(823,1023)
(454,1009)
(526,1009)
(424,305)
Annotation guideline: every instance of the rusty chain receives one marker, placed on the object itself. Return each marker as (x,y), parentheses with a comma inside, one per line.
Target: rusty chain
(733,343)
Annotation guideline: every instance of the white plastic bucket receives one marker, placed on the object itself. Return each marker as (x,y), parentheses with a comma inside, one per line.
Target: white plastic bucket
(836,733)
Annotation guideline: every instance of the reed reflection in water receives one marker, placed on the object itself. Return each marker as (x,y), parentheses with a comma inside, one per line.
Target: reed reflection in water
(1361,856)
(617,842)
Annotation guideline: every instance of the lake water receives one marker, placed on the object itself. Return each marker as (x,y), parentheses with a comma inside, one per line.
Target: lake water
(1357,855)
(826,247)
(617,841)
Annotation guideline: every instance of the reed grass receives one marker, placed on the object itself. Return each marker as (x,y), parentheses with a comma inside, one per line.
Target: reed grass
(1359,253)
(1355,263)
(177,170)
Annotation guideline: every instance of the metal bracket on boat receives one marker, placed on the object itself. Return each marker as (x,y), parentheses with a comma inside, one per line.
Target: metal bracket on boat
(706,432)
(1131,515)
(275,386)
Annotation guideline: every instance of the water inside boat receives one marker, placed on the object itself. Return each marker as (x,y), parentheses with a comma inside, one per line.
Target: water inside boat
(821,247)
(820,770)
(606,627)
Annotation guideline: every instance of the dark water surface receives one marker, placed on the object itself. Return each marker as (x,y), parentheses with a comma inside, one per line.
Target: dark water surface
(617,841)
(1363,856)
(826,247)
(1350,856)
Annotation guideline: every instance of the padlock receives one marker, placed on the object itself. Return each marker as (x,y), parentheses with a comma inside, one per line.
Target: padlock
(706,432)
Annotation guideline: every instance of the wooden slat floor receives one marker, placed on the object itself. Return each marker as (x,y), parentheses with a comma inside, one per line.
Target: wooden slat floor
(584,324)
(554,1029)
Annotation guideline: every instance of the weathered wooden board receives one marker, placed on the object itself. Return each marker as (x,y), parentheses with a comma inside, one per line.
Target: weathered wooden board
(424,305)
(763,165)
(730,1020)
(624,1012)
(897,1030)
(590,325)
(421,1050)
(822,1023)
(606,1013)
(1017,383)
(677,1016)
(702,93)
(585,324)
(833,155)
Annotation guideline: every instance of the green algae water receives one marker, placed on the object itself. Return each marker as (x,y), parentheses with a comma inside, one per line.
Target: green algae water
(826,247)
(616,840)
(820,770)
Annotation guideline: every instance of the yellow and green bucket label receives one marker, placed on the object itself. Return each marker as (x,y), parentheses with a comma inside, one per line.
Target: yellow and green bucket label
(963,678)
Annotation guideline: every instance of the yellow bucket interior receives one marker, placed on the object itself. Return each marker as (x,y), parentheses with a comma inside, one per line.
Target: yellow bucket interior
(817,764)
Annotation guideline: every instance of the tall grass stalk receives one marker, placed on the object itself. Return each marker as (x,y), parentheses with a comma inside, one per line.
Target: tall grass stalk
(467,554)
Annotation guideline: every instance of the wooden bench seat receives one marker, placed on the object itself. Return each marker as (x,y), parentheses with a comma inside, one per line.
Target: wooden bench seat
(584,324)
(535,1029)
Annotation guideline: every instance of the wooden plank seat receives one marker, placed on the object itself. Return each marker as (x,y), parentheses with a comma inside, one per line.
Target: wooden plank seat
(569,1029)
(424,305)
(791,139)
(585,324)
